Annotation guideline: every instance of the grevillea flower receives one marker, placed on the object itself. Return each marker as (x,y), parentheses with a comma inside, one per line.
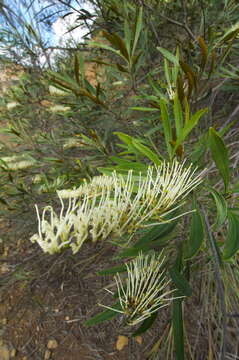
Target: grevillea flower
(55,232)
(145,289)
(114,205)
(17,162)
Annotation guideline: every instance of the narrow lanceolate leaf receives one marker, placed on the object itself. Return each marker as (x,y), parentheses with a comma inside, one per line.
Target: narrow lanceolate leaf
(204,51)
(140,108)
(178,329)
(157,232)
(113,270)
(221,206)
(105,47)
(166,125)
(151,155)
(103,316)
(232,240)
(146,325)
(77,68)
(220,155)
(188,127)
(168,55)
(187,70)
(178,115)
(116,41)
(138,28)
(181,283)
(196,235)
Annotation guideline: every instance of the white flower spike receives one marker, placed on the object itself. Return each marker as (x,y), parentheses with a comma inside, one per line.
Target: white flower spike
(114,205)
(146,289)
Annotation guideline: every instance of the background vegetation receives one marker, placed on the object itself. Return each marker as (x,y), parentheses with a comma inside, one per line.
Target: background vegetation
(151,82)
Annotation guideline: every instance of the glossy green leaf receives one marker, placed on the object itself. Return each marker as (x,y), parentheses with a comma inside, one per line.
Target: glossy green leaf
(167,73)
(138,28)
(178,329)
(77,68)
(113,270)
(232,240)
(166,125)
(134,251)
(147,323)
(156,232)
(128,35)
(196,236)
(116,41)
(221,206)
(188,127)
(103,316)
(151,155)
(220,155)
(180,282)
(148,109)
(168,55)
(124,137)
(178,115)
(105,47)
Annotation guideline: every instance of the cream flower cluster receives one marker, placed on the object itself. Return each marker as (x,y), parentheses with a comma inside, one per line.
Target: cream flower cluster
(146,289)
(59,108)
(17,162)
(114,205)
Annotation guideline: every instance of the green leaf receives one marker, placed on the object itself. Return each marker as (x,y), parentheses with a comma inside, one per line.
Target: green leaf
(178,329)
(180,282)
(167,73)
(147,323)
(196,236)
(143,108)
(221,206)
(204,51)
(124,137)
(103,316)
(157,232)
(166,125)
(220,155)
(168,55)
(105,47)
(232,240)
(138,28)
(113,270)
(77,68)
(116,41)
(151,155)
(128,35)
(134,251)
(189,125)
(128,165)
(178,115)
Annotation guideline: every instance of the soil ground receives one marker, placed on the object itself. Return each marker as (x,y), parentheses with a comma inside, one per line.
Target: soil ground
(45,300)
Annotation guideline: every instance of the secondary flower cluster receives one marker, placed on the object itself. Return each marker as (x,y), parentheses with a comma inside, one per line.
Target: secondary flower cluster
(113,205)
(146,289)
(17,162)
